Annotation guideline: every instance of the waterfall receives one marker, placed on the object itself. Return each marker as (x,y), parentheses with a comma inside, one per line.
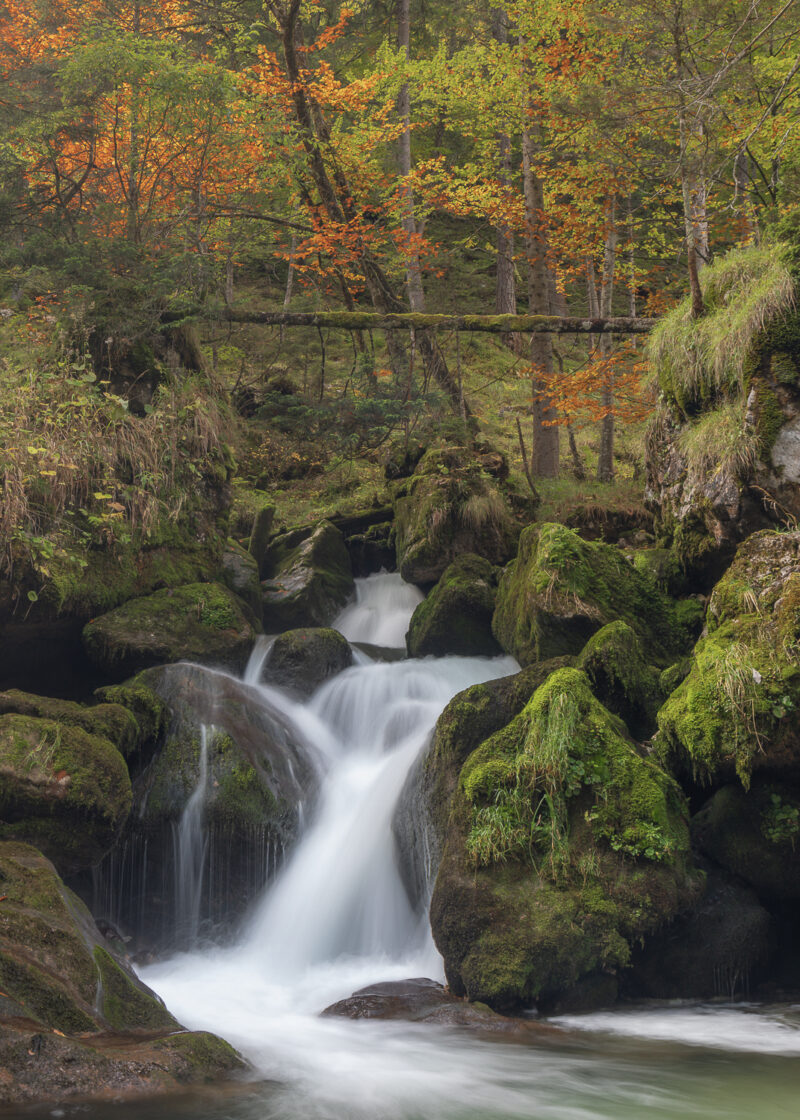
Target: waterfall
(382,611)
(191,850)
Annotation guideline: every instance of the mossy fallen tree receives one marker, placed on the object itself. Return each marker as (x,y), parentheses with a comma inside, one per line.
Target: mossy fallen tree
(370,320)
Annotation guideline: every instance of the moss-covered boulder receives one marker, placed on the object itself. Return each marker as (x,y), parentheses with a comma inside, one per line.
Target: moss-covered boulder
(62,986)
(302,660)
(614,661)
(230,748)
(456,617)
(735,713)
(565,847)
(203,622)
(723,452)
(449,507)
(148,711)
(755,835)
(561,589)
(61,788)
(311,580)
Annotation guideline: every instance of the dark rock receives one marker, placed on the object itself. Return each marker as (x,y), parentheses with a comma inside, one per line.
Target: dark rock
(312,580)
(373,550)
(240,574)
(713,950)
(456,617)
(605,523)
(201,622)
(304,659)
(755,835)
(260,536)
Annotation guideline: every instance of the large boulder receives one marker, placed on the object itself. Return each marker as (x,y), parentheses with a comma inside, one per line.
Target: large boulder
(62,788)
(302,660)
(214,810)
(723,453)
(449,507)
(561,589)
(456,617)
(755,835)
(240,573)
(203,622)
(63,987)
(310,579)
(565,848)
(735,714)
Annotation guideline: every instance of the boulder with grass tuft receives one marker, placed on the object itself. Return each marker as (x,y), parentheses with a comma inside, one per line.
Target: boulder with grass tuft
(456,617)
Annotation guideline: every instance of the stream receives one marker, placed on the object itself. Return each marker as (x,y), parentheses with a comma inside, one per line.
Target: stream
(337,917)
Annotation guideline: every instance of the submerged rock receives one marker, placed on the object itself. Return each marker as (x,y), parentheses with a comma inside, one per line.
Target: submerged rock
(302,660)
(203,622)
(565,847)
(61,788)
(561,589)
(75,1021)
(310,579)
(450,507)
(456,617)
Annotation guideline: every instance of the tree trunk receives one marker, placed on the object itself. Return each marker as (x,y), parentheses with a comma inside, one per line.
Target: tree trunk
(416,293)
(693,197)
(605,460)
(545,452)
(505,287)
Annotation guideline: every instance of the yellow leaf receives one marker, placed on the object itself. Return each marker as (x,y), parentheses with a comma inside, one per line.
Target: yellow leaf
(103,497)
(49,474)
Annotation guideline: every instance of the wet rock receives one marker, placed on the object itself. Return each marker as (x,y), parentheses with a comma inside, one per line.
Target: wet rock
(715,949)
(426,1001)
(203,622)
(304,659)
(561,589)
(61,788)
(310,579)
(456,617)
(240,574)
(755,835)
(449,507)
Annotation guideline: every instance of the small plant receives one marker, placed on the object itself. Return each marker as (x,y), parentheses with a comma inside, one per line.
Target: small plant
(780,823)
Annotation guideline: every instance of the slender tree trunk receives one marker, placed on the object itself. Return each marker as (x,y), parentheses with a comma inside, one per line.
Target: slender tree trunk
(416,293)
(605,460)
(545,452)
(505,288)
(693,218)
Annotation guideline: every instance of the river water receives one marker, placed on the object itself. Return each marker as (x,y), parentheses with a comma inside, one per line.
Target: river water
(338,918)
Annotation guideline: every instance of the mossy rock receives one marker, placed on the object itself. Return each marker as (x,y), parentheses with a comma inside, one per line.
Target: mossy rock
(203,622)
(755,835)
(148,710)
(450,507)
(240,574)
(304,659)
(54,961)
(109,719)
(63,990)
(311,580)
(565,847)
(735,713)
(456,617)
(561,589)
(64,790)
(614,661)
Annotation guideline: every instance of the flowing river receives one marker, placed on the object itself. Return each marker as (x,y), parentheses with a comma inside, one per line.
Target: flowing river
(337,918)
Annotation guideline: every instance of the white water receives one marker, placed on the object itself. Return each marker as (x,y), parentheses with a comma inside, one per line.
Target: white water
(381,613)
(338,918)
(191,843)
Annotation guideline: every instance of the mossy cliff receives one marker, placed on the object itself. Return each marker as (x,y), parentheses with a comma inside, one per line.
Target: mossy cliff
(561,589)
(723,457)
(735,714)
(565,846)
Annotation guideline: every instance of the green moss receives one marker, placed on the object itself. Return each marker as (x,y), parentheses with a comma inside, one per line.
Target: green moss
(109,720)
(125,1006)
(148,709)
(205,1052)
(561,589)
(42,997)
(620,677)
(456,617)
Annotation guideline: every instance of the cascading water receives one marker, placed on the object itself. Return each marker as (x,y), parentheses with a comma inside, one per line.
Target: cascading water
(338,917)
(191,850)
